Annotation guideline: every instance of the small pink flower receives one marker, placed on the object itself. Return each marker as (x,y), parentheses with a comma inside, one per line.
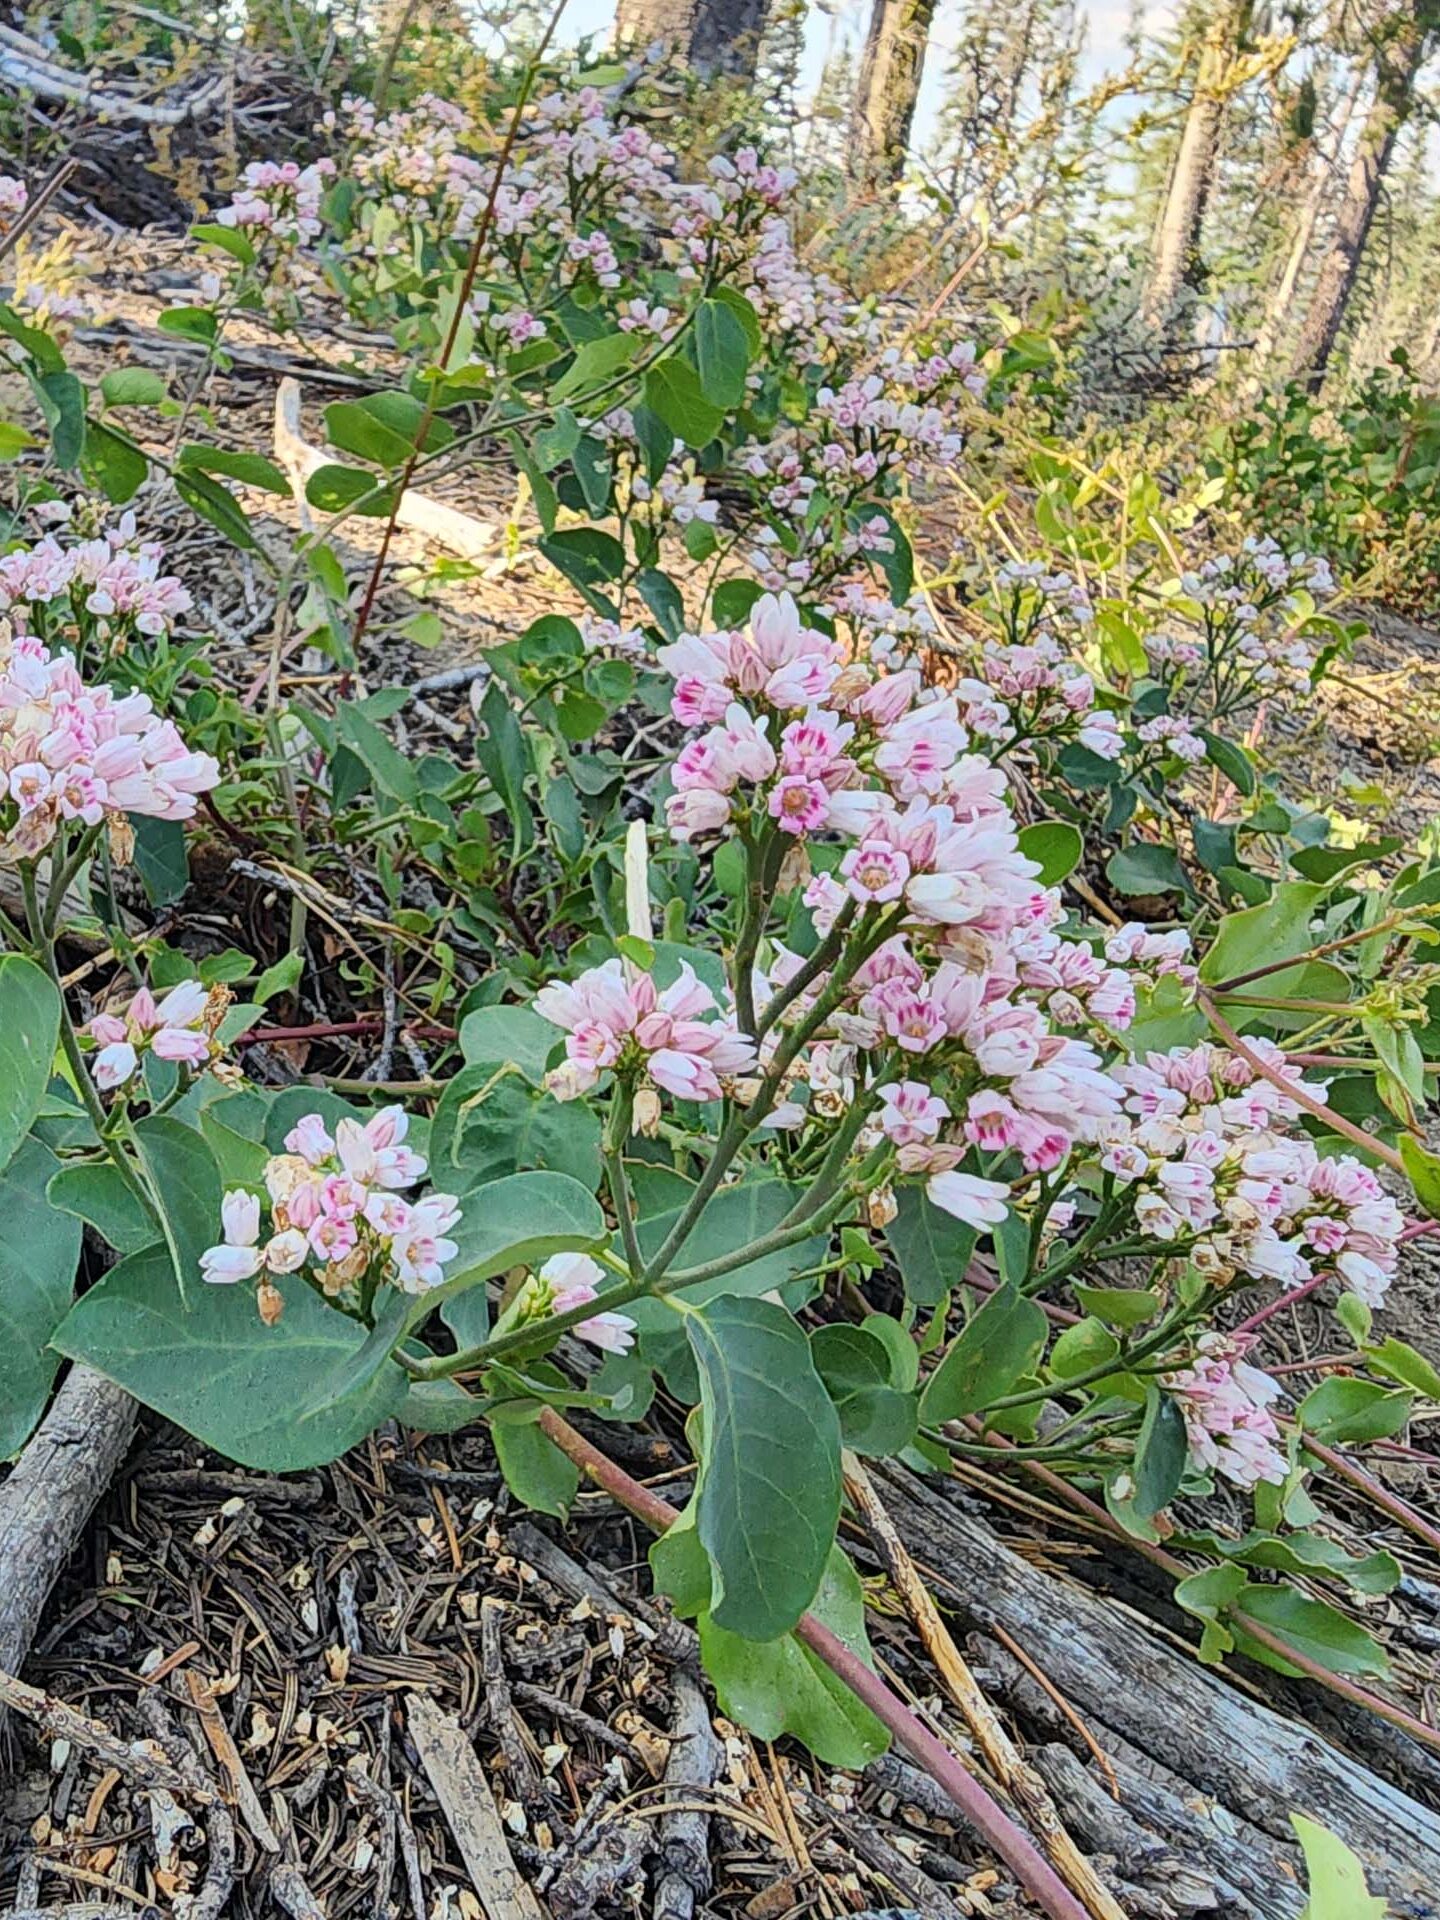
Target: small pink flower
(799,805)
(910,1114)
(978,1203)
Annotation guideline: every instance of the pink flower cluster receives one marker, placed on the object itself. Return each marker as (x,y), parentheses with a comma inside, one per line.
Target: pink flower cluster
(279,201)
(180,1027)
(114,577)
(14,198)
(1228,1422)
(337,1205)
(564,1282)
(69,752)
(617,1019)
(1215,1168)
(1245,642)
(975,978)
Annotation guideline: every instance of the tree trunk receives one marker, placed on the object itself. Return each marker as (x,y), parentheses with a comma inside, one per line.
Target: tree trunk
(1277,310)
(715,37)
(1177,237)
(889,86)
(1397,61)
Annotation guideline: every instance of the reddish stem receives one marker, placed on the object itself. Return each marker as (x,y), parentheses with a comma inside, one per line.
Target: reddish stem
(1273,1642)
(1302,1292)
(335,1029)
(1335,1121)
(995,1827)
(1388,1502)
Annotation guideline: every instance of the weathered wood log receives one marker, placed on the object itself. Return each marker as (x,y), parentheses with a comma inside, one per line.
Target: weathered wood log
(1237,1751)
(67,1465)
(1208,1859)
(696,1758)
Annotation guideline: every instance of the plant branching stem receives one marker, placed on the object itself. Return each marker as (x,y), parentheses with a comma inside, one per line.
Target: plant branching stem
(989,1819)
(44,941)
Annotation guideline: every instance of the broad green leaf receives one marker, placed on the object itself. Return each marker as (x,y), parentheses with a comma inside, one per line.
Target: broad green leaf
(999,1343)
(596,363)
(1312,1627)
(438,1406)
(1081,1348)
(514,1036)
(504,753)
(392,771)
(228,239)
(1161,1452)
(1335,1878)
(1210,1595)
(62,401)
(1342,1409)
(769,1489)
(14,440)
(587,555)
(191,323)
(536,1471)
(485,1127)
(673,390)
(1306,1554)
(518,1222)
(161,858)
(38,1256)
(1398,1360)
(1423,1168)
(1122,1307)
(186,1184)
(932,1248)
(132,387)
(1055,846)
(1143,868)
(217,505)
(781,1687)
(876,1418)
(1258,936)
(29,1031)
(1232,760)
(250,469)
(735,1218)
(335,489)
(383,427)
(272,1398)
(723,353)
(114,463)
(96,1192)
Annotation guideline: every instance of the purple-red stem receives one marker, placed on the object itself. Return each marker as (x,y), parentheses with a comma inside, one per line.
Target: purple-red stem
(989,1820)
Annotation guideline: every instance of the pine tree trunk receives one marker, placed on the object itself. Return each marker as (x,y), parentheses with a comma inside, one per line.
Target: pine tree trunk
(1277,309)
(1396,64)
(889,87)
(1177,237)
(715,37)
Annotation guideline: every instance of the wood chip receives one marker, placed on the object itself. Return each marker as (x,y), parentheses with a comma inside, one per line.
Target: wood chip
(465,1798)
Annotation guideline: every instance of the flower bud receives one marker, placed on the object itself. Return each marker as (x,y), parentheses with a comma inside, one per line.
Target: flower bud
(270,1301)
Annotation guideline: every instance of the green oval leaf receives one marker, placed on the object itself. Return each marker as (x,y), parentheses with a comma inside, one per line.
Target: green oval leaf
(769,1489)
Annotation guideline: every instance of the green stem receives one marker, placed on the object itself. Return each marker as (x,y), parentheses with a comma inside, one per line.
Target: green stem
(69,1040)
(616,1132)
(763,857)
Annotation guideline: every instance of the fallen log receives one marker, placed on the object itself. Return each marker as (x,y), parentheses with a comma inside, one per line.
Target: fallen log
(1230,1749)
(66,1466)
